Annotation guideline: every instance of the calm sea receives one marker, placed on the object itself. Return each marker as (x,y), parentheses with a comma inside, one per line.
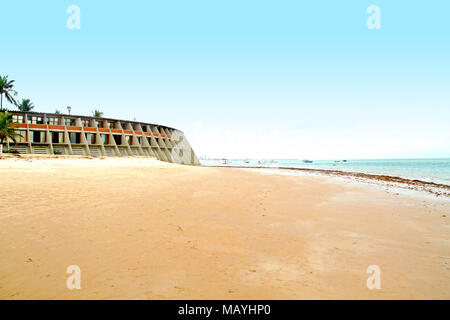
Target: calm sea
(433,170)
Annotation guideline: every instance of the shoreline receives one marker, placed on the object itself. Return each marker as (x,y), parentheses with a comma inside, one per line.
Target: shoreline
(437,189)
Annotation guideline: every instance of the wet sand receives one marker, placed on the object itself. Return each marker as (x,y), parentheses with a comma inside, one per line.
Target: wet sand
(144,229)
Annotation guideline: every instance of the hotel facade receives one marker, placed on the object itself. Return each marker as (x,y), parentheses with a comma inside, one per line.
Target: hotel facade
(46,133)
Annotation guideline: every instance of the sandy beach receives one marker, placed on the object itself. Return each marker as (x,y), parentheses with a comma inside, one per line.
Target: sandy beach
(143,229)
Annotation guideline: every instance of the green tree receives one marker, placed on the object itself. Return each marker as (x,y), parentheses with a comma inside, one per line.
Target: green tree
(97,113)
(6,88)
(25,105)
(57,111)
(6,128)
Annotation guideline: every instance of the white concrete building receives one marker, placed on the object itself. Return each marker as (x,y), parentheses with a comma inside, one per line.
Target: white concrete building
(45,133)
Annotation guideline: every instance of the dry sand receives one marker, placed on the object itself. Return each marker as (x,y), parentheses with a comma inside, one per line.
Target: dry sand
(143,229)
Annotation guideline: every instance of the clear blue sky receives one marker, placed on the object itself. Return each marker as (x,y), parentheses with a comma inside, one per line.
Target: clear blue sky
(246,79)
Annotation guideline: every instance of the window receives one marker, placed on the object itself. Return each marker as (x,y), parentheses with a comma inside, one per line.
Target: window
(38,136)
(90,138)
(35,120)
(85,123)
(21,137)
(118,139)
(53,121)
(17,118)
(57,137)
(69,122)
(75,137)
(105,139)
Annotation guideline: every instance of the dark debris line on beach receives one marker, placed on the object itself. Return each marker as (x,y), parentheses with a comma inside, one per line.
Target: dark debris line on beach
(412,183)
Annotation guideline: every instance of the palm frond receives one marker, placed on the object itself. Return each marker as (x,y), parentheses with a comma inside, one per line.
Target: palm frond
(6,88)
(7,130)
(25,105)
(97,113)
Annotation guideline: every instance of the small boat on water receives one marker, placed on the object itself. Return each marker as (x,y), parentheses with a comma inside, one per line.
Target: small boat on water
(225,161)
(307,161)
(246,161)
(267,161)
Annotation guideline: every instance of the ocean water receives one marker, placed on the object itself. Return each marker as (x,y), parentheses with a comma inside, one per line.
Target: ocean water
(432,170)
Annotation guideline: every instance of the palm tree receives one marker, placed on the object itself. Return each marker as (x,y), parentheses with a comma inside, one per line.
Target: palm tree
(57,111)
(25,105)
(6,88)
(97,113)
(6,128)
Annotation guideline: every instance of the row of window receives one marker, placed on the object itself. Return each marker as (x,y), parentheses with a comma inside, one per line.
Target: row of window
(40,120)
(74,137)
